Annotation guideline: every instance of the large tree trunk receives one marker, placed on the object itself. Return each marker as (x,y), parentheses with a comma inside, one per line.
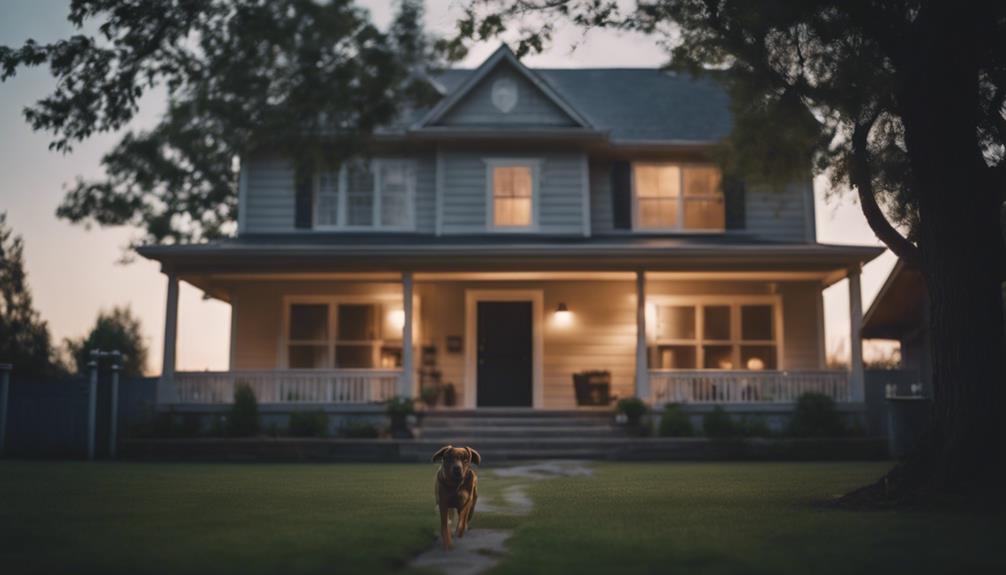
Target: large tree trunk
(962,254)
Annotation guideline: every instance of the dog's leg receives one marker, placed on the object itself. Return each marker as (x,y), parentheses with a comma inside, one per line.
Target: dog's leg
(462,520)
(445,530)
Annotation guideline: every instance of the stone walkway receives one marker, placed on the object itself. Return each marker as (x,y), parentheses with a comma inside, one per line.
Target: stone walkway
(481,549)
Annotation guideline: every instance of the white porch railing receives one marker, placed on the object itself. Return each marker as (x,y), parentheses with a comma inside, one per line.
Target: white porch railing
(289,386)
(714,386)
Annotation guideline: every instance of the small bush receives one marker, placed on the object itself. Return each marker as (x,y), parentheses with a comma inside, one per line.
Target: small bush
(675,423)
(353,429)
(243,418)
(718,424)
(753,427)
(816,416)
(632,408)
(308,424)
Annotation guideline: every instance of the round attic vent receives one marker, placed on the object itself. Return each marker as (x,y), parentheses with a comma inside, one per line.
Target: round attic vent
(504,95)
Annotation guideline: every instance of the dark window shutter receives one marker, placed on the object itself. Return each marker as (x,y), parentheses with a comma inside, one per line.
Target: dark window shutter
(733,199)
(304,211)
(621,195)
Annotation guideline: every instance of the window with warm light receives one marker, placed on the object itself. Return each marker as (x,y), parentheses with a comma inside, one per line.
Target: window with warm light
(678,197)
(512,188)
(343,334)
(715,335)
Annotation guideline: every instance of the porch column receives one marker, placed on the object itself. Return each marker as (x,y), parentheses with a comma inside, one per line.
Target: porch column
(856,378)
(165,385)
(642,370)
(405,383)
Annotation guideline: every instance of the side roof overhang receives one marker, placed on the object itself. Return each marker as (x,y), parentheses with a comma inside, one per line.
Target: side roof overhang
(899,308)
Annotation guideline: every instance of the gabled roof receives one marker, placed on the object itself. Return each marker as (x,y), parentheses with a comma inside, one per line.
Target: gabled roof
(501,56)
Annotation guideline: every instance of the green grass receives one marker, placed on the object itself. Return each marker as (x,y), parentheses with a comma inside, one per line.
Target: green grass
(628,518)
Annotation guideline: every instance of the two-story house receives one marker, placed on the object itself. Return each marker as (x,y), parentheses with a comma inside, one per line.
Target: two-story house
(533,224)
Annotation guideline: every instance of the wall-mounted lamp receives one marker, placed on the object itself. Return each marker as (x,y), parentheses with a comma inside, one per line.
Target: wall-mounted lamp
(563,316)
(396,318)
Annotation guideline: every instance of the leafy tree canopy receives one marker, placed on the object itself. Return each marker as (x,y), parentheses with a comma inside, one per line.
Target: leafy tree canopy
(307,78)
(24,337)
(116,330)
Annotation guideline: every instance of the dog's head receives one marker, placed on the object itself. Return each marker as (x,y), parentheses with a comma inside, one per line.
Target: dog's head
(456,461)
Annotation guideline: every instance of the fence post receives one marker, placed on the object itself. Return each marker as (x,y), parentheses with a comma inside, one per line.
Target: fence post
(114,423)
(92,405)
(5,369)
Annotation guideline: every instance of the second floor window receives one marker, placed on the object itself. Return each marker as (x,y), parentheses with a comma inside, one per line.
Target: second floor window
(366,195)
(511,190)
(677,197)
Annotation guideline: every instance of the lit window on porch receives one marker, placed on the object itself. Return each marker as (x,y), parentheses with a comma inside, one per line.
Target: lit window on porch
(356,342)
(711,336)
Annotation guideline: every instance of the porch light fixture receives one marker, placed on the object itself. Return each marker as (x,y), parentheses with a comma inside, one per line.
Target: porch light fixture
(396,318)
(563,316)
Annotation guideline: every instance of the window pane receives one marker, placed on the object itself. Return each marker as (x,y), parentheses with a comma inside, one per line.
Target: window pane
(705,214)
(757,357)
(307,356)
(309,322)
(756,323)
(677,357)
(676,322)
(658,213)
(327,211)
(716,322)
(394,194)
(702,181)
(718,357)
(357,322)
(657,181)
(512,212)
(354,356)
(359,194)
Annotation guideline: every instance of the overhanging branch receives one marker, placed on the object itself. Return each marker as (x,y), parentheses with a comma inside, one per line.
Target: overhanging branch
(862,179)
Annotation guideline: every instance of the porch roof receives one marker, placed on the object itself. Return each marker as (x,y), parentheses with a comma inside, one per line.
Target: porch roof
(317,252)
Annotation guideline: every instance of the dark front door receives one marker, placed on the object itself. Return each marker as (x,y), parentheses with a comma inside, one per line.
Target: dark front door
(504,354)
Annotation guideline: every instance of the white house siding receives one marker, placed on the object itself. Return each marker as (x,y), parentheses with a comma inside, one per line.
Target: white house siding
(560,191)
(602,334)
(780,214)
(269,202)
(533,107)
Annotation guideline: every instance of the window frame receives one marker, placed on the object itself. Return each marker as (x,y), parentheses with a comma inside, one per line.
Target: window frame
(333,302)
(534,164)
(682,199)
(374,166)
(736,341)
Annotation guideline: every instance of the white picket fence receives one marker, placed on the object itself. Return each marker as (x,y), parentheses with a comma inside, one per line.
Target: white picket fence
(677,386)
(289,386)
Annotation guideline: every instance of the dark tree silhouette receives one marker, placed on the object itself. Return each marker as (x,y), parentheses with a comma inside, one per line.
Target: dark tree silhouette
(308,79)
(24,337)
(116,330)
(901,99)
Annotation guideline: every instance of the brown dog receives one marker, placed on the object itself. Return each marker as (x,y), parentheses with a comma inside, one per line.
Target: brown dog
(456,488)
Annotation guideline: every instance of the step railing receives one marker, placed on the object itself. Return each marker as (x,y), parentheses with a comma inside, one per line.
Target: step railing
(289,386)
(716,386)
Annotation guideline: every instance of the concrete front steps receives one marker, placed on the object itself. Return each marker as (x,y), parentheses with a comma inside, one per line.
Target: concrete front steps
(507,434)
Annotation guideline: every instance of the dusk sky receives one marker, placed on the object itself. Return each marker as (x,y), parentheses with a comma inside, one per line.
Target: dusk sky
(74,272)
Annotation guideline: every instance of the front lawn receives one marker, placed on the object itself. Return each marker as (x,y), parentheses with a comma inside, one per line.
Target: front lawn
(627,518)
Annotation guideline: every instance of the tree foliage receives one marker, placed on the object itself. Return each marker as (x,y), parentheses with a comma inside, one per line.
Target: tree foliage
(308,79)
(116,330)
(24,336)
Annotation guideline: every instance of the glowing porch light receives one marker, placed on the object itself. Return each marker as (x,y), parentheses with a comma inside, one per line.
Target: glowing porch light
(396,318)
(563,317)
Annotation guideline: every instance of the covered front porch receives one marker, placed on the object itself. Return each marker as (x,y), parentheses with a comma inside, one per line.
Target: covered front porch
(733,333)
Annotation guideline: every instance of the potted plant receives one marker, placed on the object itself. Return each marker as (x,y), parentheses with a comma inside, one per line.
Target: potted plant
(592,387)
(630,411)
(450,395)
(399,409)
(429,395)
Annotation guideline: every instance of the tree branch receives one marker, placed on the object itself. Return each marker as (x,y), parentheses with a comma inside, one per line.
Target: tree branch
(862,178)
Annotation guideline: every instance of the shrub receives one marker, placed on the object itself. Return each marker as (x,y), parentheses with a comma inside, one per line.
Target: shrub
(753,427)
(429,395)
(243,418)
(675,423)
(632,408)
(354,429)
(308,424)
(718,423)
(816,416)
(398,410)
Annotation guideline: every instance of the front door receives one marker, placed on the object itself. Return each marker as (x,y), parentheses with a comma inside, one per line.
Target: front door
(504,353)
